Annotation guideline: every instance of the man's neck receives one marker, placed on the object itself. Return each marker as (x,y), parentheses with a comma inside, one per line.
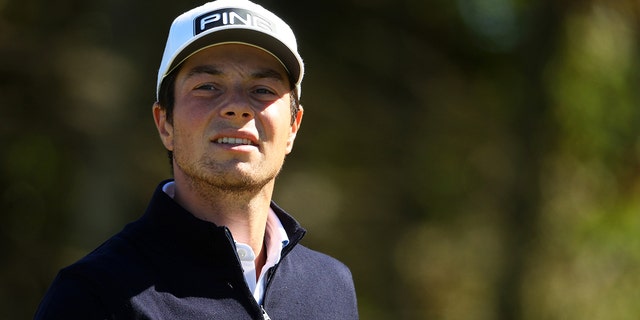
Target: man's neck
(245,214)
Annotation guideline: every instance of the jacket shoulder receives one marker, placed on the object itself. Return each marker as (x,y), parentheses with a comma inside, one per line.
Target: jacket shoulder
(312,285)
(320,261)
(96,284)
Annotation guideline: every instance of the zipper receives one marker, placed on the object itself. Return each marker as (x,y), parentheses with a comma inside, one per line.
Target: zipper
(265,316)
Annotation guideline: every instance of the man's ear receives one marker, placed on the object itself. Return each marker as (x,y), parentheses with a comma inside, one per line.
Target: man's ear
(165,129)
(294,129)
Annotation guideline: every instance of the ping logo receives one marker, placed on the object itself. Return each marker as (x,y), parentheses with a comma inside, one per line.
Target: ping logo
(230,16)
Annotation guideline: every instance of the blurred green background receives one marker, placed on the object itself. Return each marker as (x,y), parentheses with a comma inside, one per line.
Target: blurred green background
(468,159)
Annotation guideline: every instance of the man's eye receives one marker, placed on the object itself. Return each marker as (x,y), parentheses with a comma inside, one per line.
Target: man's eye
(206,87)
(264,91)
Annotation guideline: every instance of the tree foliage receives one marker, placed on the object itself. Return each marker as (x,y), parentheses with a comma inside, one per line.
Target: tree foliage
(469,159)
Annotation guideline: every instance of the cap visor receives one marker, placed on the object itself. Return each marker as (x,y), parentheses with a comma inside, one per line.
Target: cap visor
(240,35)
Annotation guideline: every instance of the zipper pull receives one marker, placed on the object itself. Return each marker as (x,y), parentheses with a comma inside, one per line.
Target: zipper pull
(265,316)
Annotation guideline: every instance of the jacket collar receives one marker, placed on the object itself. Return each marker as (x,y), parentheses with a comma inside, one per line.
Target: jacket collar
(168,226)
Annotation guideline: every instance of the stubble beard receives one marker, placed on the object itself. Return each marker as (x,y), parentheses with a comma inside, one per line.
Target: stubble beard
(212,179)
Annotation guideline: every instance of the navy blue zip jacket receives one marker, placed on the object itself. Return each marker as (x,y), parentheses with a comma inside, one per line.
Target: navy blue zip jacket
(171,265)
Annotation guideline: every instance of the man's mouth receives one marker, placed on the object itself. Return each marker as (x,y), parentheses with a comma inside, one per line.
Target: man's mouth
(228,140)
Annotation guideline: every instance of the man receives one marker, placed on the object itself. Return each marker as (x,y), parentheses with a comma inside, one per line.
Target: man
(212,244)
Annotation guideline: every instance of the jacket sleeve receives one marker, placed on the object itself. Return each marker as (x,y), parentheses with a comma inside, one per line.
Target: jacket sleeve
(69,297)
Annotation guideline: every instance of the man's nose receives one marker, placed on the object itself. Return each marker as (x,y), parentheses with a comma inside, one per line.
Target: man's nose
(237,106)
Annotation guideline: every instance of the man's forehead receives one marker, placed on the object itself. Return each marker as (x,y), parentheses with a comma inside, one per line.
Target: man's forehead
(222,70)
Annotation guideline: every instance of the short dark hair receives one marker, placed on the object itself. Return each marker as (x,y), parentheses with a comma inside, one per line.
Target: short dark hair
(166,100)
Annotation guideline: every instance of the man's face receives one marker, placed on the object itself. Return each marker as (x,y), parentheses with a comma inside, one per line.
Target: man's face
(231,119)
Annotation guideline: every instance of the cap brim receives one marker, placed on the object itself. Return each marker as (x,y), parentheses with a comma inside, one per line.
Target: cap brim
(239,35)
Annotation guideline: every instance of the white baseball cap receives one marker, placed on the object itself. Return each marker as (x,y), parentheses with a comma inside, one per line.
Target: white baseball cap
(231,21)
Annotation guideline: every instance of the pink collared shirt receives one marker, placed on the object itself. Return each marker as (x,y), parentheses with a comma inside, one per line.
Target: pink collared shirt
(275,239)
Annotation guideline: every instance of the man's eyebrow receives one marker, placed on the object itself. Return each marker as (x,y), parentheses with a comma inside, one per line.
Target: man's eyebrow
(267,74)
(207,69)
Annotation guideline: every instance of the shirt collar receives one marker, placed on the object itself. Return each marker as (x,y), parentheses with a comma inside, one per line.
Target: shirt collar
(275,238)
